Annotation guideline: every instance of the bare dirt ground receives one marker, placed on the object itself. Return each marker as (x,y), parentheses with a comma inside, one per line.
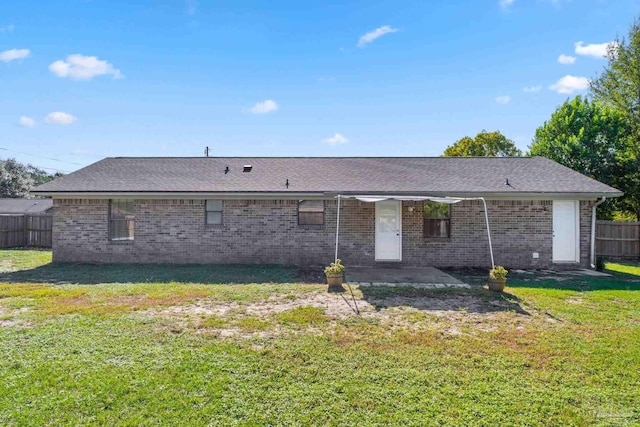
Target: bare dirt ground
(11,318)
(451,313)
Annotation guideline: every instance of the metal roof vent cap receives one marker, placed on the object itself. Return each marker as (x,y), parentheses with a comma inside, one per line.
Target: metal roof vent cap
(246,168)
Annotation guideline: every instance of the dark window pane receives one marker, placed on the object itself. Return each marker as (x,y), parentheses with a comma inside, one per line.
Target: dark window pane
(437,227)
(311,218)
(122,229)
(311,206)
(122,208)
(121,219)
(311,212)
(437,222)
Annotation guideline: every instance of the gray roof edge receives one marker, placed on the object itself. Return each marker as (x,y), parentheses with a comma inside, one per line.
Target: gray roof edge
(521,194)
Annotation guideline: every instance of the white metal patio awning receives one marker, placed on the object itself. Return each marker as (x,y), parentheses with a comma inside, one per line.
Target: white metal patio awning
(376,198)
(371,198)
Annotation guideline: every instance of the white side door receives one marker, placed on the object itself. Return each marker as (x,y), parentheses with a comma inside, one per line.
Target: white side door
(566,231)
(389,230)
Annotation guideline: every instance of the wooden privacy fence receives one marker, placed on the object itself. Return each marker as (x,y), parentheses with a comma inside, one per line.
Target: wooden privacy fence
(618,240)
(25,230)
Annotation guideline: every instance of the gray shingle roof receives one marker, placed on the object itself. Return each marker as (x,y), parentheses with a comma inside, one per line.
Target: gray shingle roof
(22,206)
(422,175)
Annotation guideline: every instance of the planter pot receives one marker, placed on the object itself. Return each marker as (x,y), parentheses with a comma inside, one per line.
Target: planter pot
(335,282)
(497,285)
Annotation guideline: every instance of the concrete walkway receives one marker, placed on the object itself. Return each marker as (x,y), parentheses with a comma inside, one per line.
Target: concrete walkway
(418,277)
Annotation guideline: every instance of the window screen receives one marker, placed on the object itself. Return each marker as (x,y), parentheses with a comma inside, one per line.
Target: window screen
(214,212)
(121,219)
(311,212)
(437,219)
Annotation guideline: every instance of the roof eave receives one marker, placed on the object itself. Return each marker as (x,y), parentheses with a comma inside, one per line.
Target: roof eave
(322,194)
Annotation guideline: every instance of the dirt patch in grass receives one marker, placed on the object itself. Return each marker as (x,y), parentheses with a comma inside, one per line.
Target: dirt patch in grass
(10,318)
(322,313)
(333,305)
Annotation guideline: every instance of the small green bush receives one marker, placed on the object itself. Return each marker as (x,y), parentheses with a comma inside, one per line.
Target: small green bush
(498,273)
(334,268)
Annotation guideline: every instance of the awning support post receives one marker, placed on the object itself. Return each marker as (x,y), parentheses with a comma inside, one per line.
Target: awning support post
(337,229)
(486,218)
(375,198)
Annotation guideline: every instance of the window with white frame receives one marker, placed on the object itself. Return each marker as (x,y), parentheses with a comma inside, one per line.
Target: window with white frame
(121,219)
(214,212)
(437,219)
(311,212)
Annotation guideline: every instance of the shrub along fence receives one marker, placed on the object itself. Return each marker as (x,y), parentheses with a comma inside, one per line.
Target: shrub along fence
(618,240)
(25,230)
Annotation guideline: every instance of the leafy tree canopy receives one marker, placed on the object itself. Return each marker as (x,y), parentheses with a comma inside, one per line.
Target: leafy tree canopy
(618,86)
(485,144)
(588,137)
(17,179)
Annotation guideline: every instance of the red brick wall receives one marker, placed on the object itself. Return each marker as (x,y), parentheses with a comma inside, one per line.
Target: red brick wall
(267,231)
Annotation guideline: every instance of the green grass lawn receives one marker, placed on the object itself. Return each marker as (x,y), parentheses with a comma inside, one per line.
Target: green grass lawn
(234,345)
(633,269)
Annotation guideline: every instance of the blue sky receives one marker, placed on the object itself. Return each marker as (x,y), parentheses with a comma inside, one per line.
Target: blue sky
(81,80)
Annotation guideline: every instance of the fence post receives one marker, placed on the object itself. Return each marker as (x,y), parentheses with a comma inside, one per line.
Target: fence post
(25,233)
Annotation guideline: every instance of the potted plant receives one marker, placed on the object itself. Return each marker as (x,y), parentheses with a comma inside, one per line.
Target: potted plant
(497,278)
(335,273)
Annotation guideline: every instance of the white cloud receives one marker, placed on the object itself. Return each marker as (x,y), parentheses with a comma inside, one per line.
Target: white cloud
(264,107)
(532,89)
(595,50)
(504,99)
(375,34)
(80,67)
(11,54)
(569,84)
(26,122)
(506,3)
(336,139)
(60,118)
(566,59)
(8,29)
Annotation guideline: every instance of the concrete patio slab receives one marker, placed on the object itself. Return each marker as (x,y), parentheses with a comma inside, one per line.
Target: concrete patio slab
(412,285)
(419,277)
(579,272)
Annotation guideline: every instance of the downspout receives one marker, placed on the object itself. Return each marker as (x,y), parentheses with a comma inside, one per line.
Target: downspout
(593,231)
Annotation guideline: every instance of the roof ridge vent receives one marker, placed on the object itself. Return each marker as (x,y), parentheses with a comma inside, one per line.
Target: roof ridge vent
(247,168)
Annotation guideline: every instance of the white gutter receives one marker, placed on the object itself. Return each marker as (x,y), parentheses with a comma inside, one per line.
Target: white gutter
(299,195)
(593,231)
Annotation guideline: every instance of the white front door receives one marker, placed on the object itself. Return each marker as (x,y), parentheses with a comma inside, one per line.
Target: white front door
(566,231)
(389,230)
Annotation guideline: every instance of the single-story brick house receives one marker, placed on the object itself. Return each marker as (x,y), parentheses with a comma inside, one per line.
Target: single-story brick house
(284,210)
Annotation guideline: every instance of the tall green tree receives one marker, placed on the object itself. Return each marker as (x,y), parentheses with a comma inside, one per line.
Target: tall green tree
(41,176)
(619,87)
(588,137)
(485,144)
(15,179)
